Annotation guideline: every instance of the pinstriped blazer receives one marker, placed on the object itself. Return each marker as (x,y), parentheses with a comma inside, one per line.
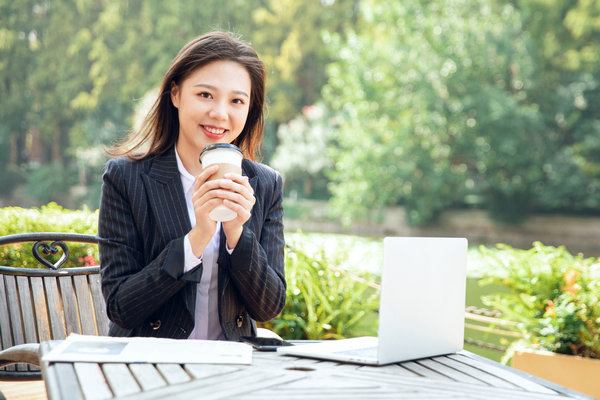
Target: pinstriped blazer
(143,220)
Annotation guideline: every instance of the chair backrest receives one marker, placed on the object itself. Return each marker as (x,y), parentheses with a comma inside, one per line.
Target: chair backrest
(48,303)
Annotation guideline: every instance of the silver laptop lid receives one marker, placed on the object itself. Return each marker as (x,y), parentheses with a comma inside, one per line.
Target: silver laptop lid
(422,297)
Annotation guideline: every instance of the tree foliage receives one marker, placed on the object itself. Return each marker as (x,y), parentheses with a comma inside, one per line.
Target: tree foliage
(435,104)
(73,72)
(445,103)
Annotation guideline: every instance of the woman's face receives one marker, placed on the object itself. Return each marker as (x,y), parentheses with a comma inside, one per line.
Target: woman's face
(213,104)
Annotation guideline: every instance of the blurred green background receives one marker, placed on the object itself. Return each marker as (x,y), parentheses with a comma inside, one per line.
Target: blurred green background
(428,105)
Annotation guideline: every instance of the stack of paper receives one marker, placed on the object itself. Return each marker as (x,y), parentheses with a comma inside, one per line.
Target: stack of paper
(81,348)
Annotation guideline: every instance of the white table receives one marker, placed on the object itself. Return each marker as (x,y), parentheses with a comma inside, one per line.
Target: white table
(272,376)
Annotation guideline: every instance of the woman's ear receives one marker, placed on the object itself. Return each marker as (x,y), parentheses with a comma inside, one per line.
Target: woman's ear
(175,94)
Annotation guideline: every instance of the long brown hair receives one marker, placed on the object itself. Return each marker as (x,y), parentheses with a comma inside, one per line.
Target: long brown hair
(160,128)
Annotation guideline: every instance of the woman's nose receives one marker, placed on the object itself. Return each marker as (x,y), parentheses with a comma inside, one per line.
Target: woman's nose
(218,111)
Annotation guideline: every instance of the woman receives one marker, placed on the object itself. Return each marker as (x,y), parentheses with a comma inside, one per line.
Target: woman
(168,270)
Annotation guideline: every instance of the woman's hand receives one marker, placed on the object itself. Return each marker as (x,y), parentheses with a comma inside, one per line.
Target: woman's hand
(234,192)
(239,197)
(204,200)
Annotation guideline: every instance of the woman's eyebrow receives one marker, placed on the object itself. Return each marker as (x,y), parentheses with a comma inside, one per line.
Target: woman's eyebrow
(208,86)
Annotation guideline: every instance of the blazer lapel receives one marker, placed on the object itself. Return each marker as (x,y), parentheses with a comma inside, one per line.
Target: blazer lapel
(165,193)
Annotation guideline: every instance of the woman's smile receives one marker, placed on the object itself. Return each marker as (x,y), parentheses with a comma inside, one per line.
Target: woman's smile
(213,132)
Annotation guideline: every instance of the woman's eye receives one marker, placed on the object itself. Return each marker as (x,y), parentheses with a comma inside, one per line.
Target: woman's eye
(206,95)
(238,101)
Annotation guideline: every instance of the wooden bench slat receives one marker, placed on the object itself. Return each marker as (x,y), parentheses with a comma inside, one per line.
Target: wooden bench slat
(69,302)
(84,302)
(6,328)
(55,308)
(40,309)
(38,295)
(99,304)
(5,333)
(27,332)
(14,310)
(27,311)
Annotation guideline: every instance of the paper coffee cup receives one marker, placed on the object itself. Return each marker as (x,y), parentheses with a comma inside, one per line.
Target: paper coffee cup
(229,159)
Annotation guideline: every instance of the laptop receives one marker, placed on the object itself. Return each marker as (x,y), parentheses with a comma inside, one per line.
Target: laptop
(421,310)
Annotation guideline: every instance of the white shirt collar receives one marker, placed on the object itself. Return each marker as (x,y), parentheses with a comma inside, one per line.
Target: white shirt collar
(187,179)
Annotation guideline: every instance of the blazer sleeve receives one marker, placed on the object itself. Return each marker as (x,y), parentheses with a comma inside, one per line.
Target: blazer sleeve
(257,263)
(133,285)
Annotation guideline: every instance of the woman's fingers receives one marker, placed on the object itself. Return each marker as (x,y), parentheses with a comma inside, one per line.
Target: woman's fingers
(234,191)
(205,176)
(241,185)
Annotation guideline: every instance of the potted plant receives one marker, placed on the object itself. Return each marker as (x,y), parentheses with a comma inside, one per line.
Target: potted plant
(554,297)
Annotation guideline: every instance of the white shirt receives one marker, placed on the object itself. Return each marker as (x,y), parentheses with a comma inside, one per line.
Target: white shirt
(207,324)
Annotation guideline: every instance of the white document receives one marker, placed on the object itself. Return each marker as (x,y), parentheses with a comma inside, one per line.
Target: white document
(83,348)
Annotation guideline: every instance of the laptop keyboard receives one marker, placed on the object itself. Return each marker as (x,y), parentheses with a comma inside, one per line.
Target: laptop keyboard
(368,352)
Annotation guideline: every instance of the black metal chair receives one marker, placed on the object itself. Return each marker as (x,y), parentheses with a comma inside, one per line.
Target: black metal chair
(47,303)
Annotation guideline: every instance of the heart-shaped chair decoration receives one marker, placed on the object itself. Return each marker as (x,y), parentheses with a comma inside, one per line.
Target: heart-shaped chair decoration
(51,249)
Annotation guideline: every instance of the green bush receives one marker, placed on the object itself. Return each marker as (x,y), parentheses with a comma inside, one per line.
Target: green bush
(326,297)
(553,295)
(325,301)
(48,218)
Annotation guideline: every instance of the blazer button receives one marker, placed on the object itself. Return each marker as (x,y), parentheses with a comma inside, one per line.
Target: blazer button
(156,324)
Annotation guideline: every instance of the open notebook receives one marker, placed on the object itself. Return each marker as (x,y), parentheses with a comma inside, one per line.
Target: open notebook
(422,305)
